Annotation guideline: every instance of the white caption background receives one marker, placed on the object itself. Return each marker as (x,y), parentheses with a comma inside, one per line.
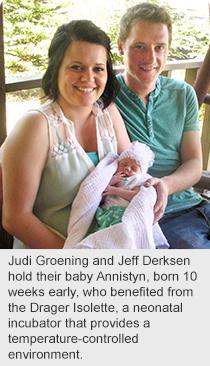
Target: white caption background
(105,307)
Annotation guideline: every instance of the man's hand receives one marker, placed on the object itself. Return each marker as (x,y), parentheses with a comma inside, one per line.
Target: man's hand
(162,197)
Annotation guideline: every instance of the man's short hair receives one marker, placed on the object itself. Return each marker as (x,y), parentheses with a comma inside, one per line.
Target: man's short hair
(144,11)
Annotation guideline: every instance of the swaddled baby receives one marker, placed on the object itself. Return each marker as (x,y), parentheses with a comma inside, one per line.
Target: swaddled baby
(133,165)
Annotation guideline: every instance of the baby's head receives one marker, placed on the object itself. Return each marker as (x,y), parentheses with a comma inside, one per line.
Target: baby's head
(139,158)
(129,167)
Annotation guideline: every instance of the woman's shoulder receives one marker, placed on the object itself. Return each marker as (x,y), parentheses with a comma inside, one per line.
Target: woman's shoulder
(27,138)
(30,125)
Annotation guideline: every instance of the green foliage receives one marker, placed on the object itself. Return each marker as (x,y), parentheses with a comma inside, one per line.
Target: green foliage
(30,24)
(28,28)
(190,37)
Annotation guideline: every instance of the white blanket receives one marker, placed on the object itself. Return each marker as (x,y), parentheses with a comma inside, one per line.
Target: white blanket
(136,231)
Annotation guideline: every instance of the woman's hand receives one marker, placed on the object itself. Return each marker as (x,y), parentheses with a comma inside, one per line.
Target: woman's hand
(162,197)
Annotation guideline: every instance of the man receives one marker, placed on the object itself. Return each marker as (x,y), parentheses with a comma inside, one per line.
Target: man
(163,113)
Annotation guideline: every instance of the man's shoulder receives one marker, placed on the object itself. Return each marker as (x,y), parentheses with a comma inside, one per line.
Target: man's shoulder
(173,85)
(170,82)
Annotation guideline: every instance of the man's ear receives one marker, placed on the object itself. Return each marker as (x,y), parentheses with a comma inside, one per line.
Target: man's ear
(120,46)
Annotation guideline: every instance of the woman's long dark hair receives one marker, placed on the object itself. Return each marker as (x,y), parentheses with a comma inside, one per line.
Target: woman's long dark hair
(77,30)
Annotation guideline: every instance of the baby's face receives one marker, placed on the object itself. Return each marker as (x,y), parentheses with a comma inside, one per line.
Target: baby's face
(129,167)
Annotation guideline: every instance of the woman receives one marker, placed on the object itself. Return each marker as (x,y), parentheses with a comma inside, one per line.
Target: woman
(51,150)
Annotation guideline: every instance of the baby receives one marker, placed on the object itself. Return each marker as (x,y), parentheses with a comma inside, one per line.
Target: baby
(126,209)
(133,164)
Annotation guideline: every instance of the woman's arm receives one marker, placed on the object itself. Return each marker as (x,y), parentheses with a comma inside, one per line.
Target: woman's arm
(184,177)
(24,157)
(123,141)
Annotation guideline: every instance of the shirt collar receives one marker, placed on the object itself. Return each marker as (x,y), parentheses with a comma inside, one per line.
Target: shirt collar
(156,92)
(153,94)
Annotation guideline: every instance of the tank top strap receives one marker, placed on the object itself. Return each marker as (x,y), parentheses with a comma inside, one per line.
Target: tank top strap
(56,122)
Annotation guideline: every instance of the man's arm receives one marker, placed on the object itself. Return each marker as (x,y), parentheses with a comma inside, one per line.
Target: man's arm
(184,177)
